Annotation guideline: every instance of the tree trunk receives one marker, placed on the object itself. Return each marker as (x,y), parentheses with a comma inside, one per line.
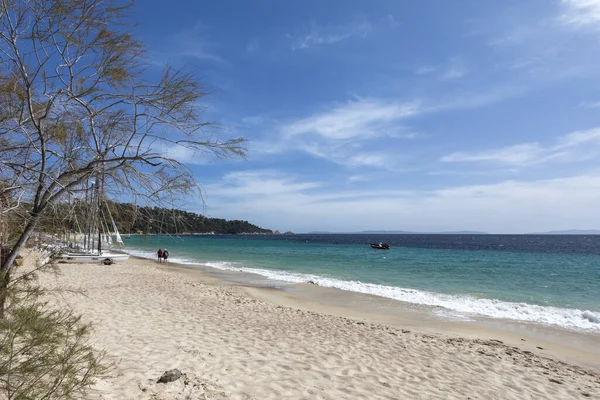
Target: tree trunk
(7,262)
(4,281)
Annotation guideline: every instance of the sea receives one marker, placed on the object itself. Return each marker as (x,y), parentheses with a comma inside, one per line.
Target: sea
(546,279)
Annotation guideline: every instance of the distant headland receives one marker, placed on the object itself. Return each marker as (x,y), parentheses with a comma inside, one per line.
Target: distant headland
(400,233)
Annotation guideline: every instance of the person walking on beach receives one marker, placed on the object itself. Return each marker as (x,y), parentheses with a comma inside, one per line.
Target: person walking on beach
(165,256)
(160,255)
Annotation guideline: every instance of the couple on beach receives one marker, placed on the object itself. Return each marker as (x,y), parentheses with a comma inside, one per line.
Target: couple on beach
(163,256)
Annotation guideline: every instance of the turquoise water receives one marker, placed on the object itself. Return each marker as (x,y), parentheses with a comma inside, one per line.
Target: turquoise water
(546,286)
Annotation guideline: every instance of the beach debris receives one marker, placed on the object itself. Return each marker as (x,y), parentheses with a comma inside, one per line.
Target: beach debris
(312,282)
(169,376)
(556,381)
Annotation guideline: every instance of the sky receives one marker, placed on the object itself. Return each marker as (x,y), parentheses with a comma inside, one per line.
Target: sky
(425,116)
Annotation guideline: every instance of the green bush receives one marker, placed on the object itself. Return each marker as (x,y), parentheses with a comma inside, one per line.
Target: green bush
(44,351)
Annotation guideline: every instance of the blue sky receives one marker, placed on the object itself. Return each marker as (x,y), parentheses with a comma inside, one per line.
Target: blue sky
(394,115)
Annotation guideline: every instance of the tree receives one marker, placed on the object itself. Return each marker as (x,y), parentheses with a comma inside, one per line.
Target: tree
(77,103)
(8,214)
(44,351)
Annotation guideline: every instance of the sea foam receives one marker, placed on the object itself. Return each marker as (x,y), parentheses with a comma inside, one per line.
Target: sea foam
(460,305)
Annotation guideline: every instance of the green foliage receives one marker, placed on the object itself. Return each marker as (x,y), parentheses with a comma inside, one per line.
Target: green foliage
(161,220)
(76,104)
(44,353)
(133,219)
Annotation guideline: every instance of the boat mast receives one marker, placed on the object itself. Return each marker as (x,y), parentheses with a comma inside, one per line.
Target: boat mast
(85,226)
(90,219)
(99,186)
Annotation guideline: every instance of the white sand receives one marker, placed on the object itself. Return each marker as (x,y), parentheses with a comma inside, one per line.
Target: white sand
(232,346)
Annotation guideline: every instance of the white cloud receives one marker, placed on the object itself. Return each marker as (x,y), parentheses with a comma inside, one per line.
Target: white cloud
(370,160)
(187,156)
(581,13)
(344,133)
(260,182)
(287,203)
(573,147)
(360,178)
(520,154)
(355,119)
(351,154)
(319,35)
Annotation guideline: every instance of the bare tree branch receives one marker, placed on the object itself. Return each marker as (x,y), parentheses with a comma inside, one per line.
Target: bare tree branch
(77,100)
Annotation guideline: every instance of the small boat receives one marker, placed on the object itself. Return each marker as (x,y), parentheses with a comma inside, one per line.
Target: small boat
(106,258)
(99,226)
(380,246)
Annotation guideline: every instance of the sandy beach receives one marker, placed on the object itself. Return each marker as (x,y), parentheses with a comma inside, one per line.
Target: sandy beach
(235,342)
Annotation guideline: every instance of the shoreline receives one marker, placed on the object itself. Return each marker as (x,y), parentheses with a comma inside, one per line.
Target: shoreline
(242,342)
(576,347)
(452,298)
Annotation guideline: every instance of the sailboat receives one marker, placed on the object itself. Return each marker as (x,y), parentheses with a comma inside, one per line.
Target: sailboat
(105,257)
(93,255)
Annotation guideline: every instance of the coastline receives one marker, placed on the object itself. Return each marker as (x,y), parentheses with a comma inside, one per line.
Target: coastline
(576,347)
(246,341)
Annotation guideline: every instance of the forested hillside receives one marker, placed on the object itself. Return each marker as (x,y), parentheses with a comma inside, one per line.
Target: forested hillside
(134,219)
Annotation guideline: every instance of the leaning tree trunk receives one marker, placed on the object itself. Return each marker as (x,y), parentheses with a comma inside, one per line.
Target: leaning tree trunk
(7,262)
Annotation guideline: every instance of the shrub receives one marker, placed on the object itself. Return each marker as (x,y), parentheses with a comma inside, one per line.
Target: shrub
(44,350)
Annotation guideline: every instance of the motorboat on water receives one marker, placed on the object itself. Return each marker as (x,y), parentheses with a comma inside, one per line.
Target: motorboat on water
(380,246)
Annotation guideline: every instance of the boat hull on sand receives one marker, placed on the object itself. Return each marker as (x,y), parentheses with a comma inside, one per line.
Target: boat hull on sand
(105,257)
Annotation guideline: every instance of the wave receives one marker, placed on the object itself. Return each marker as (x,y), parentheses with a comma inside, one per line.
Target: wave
(466,306)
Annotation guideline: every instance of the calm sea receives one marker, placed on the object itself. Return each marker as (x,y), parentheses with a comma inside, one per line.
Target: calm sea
(547,279)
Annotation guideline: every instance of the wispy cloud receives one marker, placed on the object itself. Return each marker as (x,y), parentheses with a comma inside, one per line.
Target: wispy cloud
(361,118)
(581,13)
(474,100)
(575,146)
(454,69)
(371,160)
(534,42)
(259,182)
(320,35)
(181,154)
(188,156)
(346,133)
(189,42)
